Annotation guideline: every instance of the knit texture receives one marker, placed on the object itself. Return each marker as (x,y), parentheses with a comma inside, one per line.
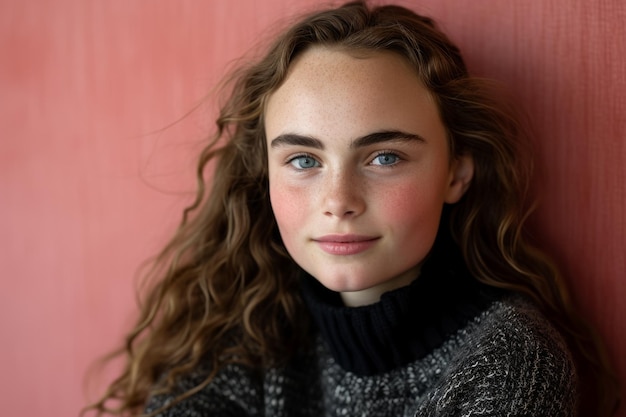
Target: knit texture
(506,361)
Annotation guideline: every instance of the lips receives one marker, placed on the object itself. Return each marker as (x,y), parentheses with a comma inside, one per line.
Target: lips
(349,244)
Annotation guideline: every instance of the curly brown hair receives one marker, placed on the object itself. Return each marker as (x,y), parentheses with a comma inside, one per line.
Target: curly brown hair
(225,288)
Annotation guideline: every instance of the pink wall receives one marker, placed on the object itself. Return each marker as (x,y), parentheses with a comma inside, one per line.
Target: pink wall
(87,193)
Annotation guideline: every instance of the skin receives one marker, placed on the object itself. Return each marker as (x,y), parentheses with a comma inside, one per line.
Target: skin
(359,170)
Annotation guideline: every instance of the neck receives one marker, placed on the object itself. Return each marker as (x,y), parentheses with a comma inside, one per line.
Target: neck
(372,295)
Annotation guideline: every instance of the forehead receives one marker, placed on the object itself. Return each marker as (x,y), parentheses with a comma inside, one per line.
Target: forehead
(336,92)
(320,66)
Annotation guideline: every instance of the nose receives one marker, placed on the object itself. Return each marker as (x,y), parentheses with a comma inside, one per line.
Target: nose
(343,196)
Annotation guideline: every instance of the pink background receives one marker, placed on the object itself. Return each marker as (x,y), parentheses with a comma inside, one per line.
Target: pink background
(91,186)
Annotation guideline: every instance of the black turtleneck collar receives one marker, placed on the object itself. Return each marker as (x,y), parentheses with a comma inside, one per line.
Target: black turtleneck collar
(407,323)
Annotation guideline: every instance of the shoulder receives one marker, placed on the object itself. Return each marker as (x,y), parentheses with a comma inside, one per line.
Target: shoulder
(234,391)
(510,361)
(515,328)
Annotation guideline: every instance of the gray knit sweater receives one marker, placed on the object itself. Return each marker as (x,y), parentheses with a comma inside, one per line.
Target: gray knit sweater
(446,345)
(506,361)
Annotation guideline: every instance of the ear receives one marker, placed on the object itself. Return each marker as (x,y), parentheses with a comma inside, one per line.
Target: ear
(461,174)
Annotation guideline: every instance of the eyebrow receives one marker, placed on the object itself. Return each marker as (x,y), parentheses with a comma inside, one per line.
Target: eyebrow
(367,140)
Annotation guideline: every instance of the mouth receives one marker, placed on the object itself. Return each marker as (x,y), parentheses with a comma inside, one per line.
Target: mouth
(348,244)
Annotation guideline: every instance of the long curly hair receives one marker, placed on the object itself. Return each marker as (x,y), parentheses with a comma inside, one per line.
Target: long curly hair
(224,288)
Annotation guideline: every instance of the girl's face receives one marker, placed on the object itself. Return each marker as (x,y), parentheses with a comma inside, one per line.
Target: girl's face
(359,170)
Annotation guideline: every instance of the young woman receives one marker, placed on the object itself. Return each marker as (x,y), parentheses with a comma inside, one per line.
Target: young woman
(360,250)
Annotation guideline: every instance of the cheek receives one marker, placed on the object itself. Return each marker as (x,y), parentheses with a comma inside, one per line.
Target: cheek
(409,204)
(400,204)
(286,206)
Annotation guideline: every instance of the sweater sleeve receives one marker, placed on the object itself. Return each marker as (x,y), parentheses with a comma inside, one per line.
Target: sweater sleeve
(233,393)
(516,365)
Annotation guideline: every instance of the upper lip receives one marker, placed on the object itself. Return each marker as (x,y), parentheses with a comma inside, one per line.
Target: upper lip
(344,238)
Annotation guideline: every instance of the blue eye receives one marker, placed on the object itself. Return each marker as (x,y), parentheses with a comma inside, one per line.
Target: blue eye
(304,162)
(385,159)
